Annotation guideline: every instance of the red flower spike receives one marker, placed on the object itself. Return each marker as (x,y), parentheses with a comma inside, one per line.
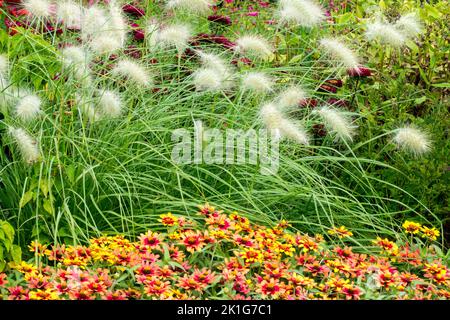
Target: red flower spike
(359,72)
(133,10)
(225,20)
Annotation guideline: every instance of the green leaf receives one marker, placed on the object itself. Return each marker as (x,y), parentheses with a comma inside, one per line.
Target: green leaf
(27,196)
(441,85)
(8,230)
(48,206)
(70,171)
(44,187)
(16,254)
(420,100)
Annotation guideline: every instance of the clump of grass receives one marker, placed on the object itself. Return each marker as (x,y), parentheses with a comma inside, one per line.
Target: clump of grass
(106,143)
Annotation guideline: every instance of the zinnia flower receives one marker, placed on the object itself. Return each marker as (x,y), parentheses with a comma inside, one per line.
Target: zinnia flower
(411,227)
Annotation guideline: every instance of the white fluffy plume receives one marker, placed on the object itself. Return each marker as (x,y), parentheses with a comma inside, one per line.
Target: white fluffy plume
(337,123)
(4,65)
(105,31)
(207,79)
(412,140)
(257,81)
(40,9)
(110,104)
(214,75)
(77,59)
(176,35)
(201,7)
(213,61)
(301,12)
(28,108)
(290,97)
(254,45)
(275,121)
(341,52)
(409,25)
(385,33)
(151,34)
(28,146)
(69,13)
(133,72)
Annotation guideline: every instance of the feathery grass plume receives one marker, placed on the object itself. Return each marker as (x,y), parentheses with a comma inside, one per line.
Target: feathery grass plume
(257,81)
(4,65)
(69,14)
(176,35)
(254,45)
(290,97)
(208,79)
(12,94)
(4,81)
(215,70)
(77,59)
(28,146)
(93,22)
(28,108)
(111,33)
(39,9)
(110,104)
(274,120)
(412,140)
(86,108)
(301,12)
(336,122)
(339,51)
(74,55)
(133,72)
(213,61)
(294,132)
(151,34)
(118,27)
(201,7)
(409,25)
(105,45)
(386,33)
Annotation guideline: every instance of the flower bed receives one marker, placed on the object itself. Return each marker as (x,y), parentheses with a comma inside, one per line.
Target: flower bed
(224,256)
